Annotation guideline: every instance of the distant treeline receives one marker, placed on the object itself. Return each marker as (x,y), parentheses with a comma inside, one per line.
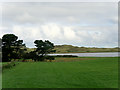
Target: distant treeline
(75,49)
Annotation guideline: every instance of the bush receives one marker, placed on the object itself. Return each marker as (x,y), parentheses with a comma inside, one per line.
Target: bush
(65,56)
(50,58)
(9,65)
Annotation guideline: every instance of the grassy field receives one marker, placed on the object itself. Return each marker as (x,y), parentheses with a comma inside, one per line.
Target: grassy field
(80,72)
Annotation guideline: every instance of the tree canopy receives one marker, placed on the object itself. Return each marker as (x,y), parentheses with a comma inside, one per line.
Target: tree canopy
(10,47)
(43,48)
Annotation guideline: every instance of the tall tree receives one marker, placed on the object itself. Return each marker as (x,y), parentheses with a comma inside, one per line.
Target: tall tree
(43,48)
(19,48)
(0,50)
(10,46)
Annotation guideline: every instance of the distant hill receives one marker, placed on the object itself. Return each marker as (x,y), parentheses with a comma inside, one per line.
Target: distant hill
(75,49)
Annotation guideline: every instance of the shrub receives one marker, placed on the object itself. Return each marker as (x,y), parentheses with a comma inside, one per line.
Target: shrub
(8,65)
(65,56)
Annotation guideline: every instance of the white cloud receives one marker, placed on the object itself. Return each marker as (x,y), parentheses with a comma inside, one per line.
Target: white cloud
(51,31)
(69,33)
(81,24)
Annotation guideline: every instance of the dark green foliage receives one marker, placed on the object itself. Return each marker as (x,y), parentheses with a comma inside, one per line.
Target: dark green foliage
(43,48)
(31,55)
(11,47)
(65,56)
(8,65)
(0,44)
(50,58)
(8,40)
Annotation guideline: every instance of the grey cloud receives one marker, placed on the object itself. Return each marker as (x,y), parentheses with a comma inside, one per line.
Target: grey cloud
(87,12)
(89,24)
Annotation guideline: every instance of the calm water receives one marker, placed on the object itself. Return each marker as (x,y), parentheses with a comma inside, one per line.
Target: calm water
(106,54)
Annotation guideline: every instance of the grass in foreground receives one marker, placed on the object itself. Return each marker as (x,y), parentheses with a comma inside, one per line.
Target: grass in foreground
(88,73)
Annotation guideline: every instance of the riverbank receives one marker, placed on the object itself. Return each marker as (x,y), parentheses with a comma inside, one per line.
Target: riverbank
(87,52)
(105,54)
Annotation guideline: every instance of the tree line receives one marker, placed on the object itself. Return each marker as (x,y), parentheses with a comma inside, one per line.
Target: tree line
(13,48)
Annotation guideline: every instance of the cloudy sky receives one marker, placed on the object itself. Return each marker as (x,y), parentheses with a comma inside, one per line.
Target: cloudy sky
(79,24)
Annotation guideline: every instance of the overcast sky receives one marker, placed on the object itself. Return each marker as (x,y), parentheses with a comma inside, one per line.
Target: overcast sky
(79,24)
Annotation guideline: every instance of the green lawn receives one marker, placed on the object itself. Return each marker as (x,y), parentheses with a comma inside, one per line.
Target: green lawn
(3,63)
(76,73)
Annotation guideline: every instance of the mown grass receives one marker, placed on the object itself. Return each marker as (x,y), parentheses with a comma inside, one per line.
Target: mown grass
(81,73)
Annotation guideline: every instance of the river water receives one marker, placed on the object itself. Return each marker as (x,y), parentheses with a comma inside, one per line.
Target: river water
(105,54)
